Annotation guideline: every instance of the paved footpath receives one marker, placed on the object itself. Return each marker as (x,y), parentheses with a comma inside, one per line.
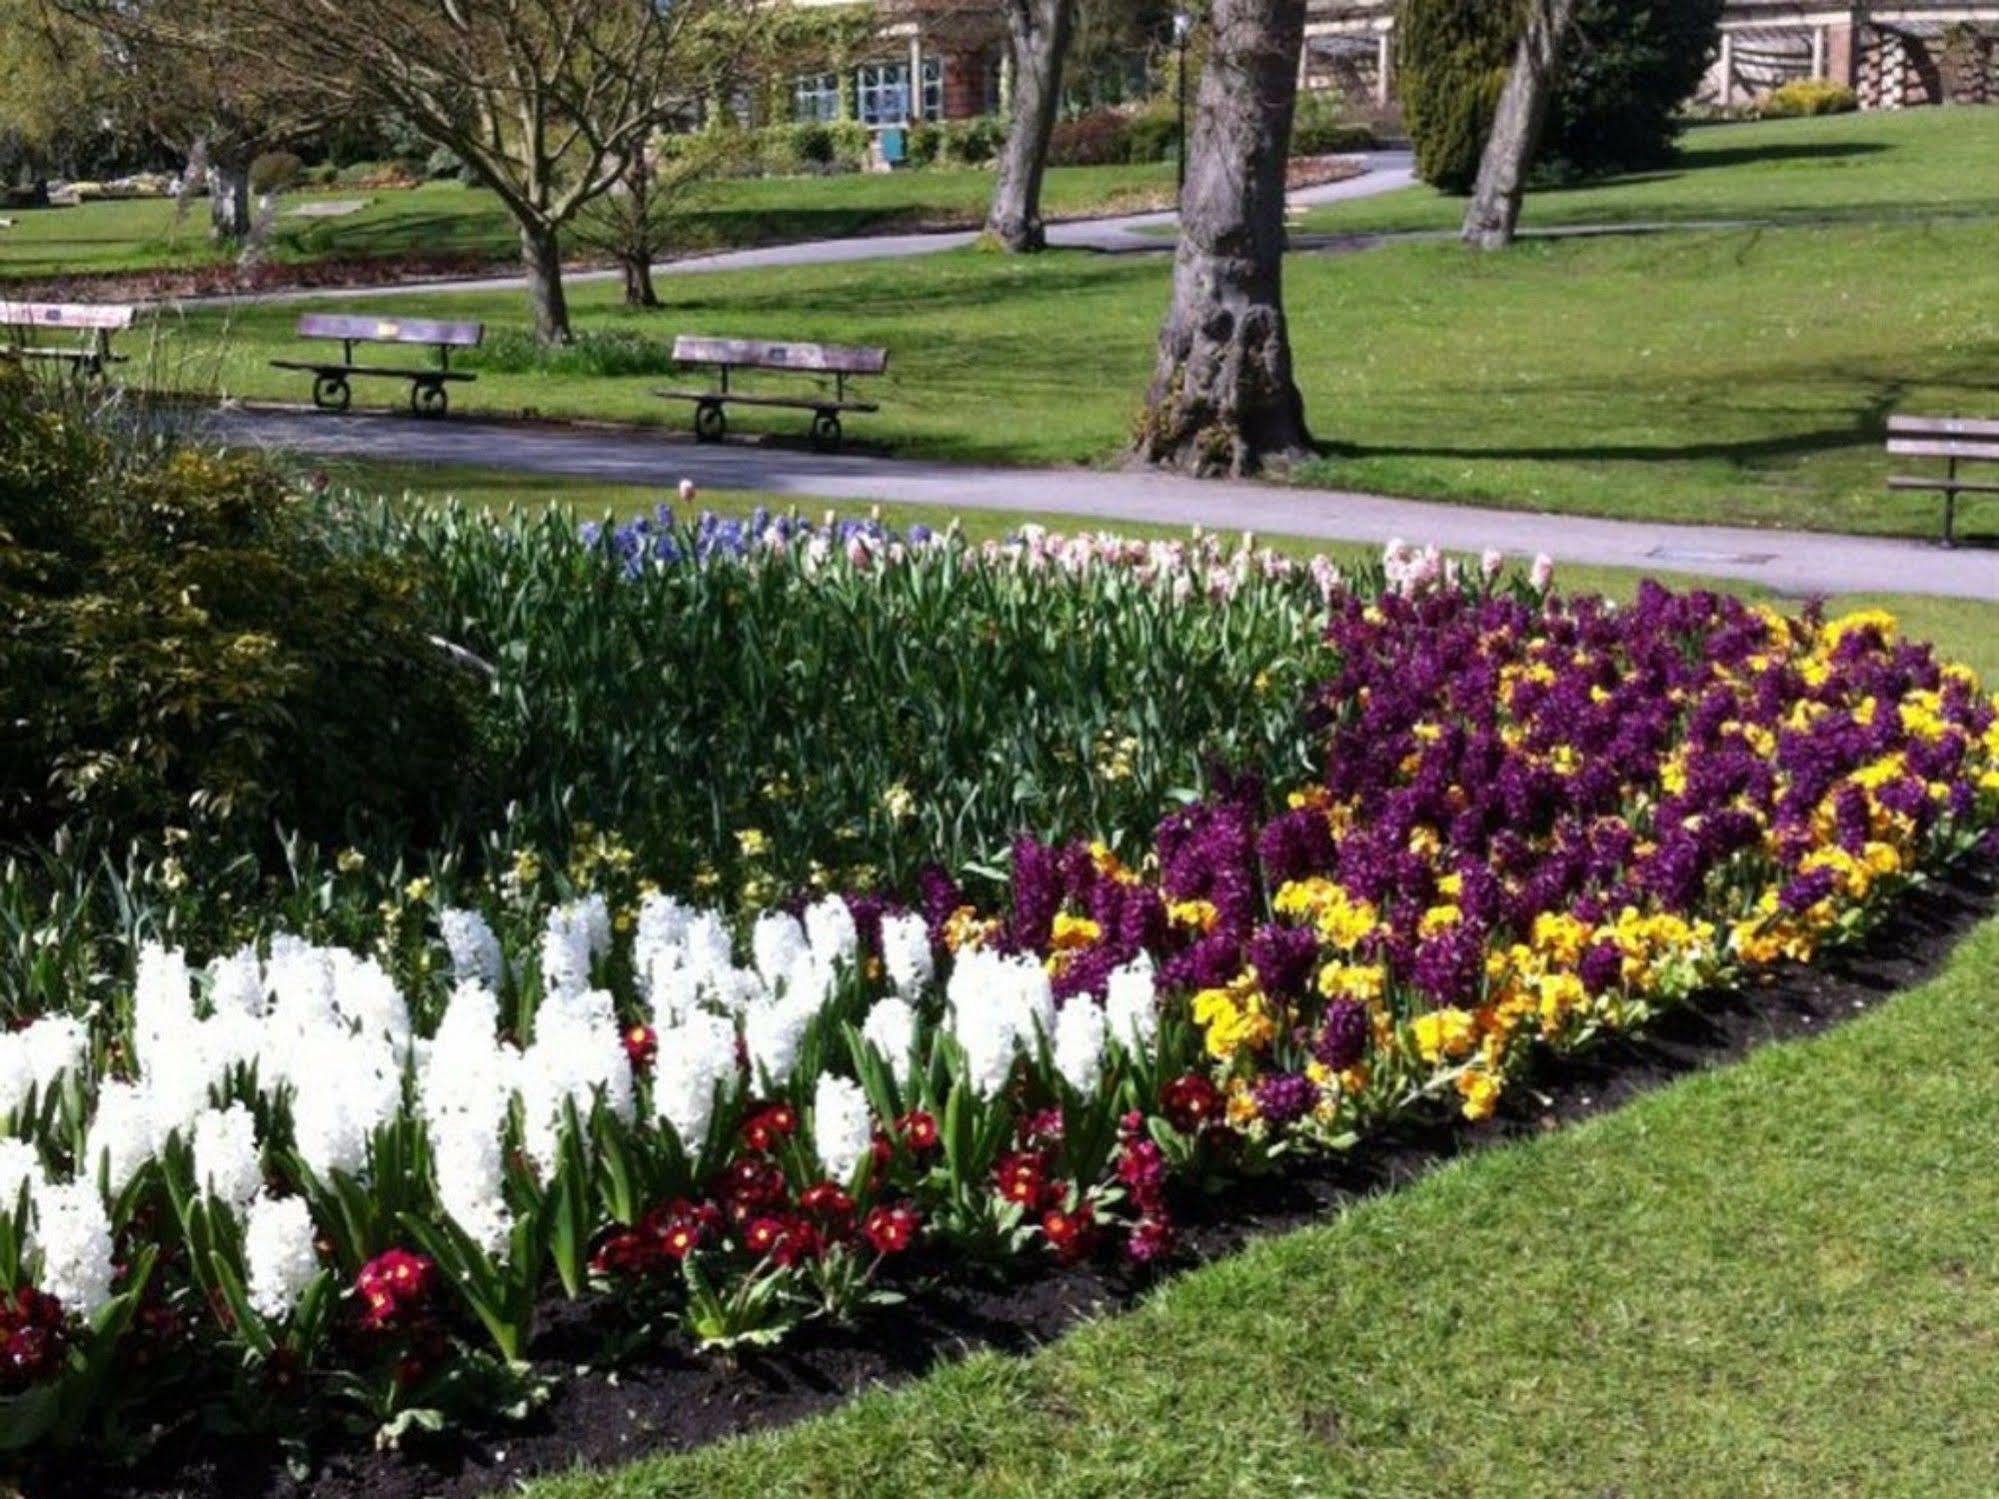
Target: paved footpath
(1386,172)
(1792,562)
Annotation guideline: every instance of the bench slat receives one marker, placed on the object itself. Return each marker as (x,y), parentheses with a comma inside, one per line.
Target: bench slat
(1938,484)
(763,354)
(1942,426)
(390,330)
(797,403)
(1943,447)
(106,315)
(337,368)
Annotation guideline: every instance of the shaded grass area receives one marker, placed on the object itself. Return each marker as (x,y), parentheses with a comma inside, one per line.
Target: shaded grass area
(448,219)
(1879,165)
(1781,1277)
(1728,376)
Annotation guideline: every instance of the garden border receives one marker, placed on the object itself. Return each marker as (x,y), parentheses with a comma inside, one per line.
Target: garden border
(682,1400)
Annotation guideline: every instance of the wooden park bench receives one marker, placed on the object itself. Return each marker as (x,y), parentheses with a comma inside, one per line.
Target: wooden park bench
(86,358)
(1955,440)
(725,354)
(330,390)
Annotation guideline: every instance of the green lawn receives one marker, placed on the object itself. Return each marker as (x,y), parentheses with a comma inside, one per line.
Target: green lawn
(449,219)
(1740,376)
(1778,1278)
(1881,165)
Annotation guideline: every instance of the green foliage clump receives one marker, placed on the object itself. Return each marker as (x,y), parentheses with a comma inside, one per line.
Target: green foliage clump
(1626,71)
(516,351)
(188,644)
(1808,96)
(276,171)
(1321,127)
(1451,58)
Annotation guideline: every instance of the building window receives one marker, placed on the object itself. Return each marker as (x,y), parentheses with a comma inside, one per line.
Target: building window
(881,93)
(933,88)
(816,98)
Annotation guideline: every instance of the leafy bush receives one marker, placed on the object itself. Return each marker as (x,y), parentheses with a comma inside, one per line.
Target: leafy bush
(1154,134)
(515,351)
(1099,138)
(923,144)
(1451,58)
(1321,127)
(973,142)
(189,646)
(275,171)
(1626,72)
(1808,96)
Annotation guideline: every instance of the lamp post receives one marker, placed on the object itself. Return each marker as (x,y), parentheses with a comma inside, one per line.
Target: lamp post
(1183,27)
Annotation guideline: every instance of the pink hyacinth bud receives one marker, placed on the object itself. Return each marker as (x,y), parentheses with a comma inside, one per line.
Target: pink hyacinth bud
(687,491)
(1543,573)
(1490,561)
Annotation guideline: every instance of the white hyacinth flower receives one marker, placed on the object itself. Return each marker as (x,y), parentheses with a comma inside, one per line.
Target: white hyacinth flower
(773,1031)
(17,1071)
(236,984)
(1131,1005)
(475,951)
(121,1134)
(1079,1045)
(906,954)
(73,1234)
(55,1045)
(891,1030)
(226,1160)
(777,941)
(278,1253)
(471,1180)
(829,926)
(20,1165)
(841,1126)
(694,1059)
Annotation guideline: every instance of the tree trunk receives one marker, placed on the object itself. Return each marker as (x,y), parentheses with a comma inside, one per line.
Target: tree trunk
(541,253)
(1223,399)
(1040,32)
(1494,212)
(639,290)
(229,201)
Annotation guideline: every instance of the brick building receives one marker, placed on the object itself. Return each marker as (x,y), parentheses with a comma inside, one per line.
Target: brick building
(928,60)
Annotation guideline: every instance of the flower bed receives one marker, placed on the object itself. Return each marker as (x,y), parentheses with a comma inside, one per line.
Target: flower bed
(308,1185)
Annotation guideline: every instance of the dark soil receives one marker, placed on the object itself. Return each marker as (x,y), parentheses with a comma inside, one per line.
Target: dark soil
(678,1400)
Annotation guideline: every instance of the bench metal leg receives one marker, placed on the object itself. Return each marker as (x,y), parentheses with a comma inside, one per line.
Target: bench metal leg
(332,392)
(711,422)
(429,398)
(826,431)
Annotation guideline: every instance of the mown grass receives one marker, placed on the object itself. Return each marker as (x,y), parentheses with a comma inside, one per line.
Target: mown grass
(449,219)
(1734,376)
(1874,166)
(1776,1278)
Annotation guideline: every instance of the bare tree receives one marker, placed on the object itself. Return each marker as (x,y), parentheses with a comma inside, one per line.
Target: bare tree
(546,102)
(633,223)
(1494,212)
(1223,399)
(1038,31)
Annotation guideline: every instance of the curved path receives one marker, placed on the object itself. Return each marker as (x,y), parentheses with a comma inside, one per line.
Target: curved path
(1386,172)
(1793,562)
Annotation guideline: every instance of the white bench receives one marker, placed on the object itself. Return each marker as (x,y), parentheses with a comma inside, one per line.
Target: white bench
(95,321)
(711,420)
